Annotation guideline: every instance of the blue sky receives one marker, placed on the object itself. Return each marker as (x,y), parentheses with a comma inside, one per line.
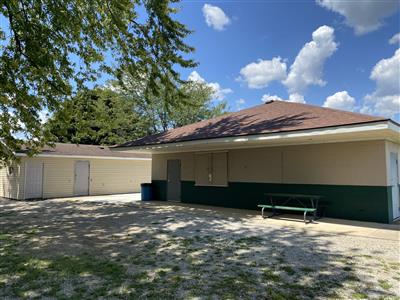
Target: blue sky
(336,53)
(251,49)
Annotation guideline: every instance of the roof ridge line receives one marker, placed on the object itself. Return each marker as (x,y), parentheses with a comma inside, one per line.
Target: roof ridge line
(338,110)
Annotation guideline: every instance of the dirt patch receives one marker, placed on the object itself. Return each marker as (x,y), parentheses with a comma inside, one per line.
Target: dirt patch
(76,249)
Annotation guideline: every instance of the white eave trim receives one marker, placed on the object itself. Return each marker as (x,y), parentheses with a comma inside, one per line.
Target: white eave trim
(292,135)
(394,126)
(83,157)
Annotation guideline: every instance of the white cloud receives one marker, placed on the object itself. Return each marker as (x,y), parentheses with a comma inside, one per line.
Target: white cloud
(385,100)
(386,73)
(259,74)
(340,100)
(388,106)
(307,68)
(296,98)
(215,17)
(219,92)
(292,98)
(239,103)
(194,76)
(395,40)
(268,97)
(362,15)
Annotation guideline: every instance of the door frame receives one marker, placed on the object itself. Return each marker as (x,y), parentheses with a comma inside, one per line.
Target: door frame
(25,180)
(74,174)
(396,184)
(180,180)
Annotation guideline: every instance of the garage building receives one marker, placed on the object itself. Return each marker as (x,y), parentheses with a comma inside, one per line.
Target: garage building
(74,170)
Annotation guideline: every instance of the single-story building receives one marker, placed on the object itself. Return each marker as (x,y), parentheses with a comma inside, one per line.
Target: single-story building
(350,159)
(74,170)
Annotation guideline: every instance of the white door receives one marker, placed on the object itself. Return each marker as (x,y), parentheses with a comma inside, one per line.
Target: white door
(394,182)
(81,181)
(33,179)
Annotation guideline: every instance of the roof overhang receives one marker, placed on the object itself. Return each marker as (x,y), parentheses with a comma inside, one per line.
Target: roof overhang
(382,130)
(83,156)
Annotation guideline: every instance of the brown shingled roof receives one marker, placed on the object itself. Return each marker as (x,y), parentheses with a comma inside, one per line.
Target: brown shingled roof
(271,117)
(87,150)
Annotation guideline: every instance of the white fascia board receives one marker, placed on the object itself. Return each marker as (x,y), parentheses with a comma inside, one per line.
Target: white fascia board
(328,131)
(385,125)
(395,127)
(83,157)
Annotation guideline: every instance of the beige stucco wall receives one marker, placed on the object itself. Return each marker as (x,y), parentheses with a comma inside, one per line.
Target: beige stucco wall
(355,163)
(107,176)
(361,163)
(255,165)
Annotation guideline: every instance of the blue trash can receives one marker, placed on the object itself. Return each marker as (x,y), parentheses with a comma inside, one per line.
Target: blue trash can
(146,191)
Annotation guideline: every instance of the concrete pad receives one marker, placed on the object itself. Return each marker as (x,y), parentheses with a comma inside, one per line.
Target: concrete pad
(325,225)
(115,198)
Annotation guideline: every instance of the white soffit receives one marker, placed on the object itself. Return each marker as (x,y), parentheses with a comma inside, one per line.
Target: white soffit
(385,130)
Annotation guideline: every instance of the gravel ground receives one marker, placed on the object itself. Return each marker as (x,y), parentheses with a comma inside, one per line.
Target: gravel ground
(81,249)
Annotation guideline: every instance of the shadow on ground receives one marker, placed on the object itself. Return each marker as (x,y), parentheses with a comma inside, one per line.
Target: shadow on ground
(65,249)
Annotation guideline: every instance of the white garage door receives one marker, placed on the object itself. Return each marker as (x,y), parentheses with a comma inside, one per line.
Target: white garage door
(33,180)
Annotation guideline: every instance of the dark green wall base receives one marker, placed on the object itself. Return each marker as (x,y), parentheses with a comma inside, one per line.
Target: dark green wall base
(363,203)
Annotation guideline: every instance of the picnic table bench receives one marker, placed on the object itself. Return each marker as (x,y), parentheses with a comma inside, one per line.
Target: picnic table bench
(300,198)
